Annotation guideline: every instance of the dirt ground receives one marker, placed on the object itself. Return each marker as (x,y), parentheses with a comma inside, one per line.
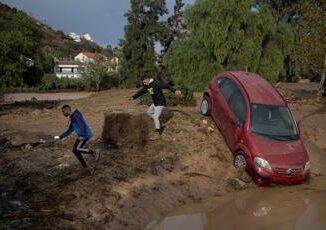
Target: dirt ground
(42,184)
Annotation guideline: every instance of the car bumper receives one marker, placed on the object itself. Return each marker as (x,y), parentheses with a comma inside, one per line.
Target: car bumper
(264,177)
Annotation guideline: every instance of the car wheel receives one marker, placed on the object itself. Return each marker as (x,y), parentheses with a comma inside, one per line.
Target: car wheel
(240,161)
(205,106)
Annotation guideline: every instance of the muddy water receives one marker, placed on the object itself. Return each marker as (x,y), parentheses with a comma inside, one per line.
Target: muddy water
(12,97)
(298,207)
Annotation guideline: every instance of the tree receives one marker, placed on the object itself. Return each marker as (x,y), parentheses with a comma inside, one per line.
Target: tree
(20,40)
(311,45)
(141,33)
(229,36)
(176,27)
(282,10)
(95,71)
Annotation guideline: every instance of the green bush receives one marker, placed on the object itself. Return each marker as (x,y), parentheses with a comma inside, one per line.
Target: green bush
(51,82)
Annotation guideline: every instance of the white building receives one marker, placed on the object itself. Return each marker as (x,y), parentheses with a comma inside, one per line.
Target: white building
(70,69)
(74,37)
(114,64)
(87,37)
(85,57)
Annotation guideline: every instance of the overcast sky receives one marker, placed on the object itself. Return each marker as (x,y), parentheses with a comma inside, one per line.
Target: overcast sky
(103,19)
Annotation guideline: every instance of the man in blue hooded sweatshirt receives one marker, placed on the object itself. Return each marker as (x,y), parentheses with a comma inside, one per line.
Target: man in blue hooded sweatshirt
(83,131)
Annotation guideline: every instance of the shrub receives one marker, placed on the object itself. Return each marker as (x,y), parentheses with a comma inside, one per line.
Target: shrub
(51,82)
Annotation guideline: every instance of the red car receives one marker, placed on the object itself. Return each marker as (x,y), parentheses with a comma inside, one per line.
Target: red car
(258,127)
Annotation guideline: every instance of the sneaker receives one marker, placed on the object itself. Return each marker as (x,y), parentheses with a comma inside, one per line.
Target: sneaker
(155,136)
(161,130)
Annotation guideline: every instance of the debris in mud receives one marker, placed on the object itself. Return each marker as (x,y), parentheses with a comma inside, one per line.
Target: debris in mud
(238,184)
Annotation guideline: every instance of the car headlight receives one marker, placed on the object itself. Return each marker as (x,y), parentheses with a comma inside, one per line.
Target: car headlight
(263,164)
(307,166)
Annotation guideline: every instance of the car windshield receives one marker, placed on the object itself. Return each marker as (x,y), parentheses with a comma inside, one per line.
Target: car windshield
(274,122)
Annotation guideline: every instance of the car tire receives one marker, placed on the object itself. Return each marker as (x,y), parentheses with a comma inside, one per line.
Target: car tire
(205,106)
(240,161)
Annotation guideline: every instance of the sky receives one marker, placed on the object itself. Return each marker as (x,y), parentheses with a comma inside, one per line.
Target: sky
(103,19)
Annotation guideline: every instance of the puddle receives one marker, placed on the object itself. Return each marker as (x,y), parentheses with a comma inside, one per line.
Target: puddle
(262,208)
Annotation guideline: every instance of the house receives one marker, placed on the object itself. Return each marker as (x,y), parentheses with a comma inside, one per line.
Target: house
(74,37)
(85,57)
(114,64)
(87,37)
(67,68)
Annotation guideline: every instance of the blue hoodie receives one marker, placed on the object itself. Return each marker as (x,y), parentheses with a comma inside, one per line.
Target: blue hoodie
(79,125)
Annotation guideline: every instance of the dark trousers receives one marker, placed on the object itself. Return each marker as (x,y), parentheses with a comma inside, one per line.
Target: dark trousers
(79,149)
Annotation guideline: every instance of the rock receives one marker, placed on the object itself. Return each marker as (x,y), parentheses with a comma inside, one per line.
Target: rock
(245,177)
(239,184)
(210,129)
(205,122)
(33,99)
(36,112)
(28,147)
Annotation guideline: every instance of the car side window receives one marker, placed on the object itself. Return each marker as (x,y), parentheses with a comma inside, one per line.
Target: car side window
(238,106)
(227,88)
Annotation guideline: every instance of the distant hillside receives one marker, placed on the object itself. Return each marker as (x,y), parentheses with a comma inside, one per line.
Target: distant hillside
(52,42)
(27,48)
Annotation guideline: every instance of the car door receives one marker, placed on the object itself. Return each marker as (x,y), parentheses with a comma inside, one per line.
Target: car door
(217,105)
(236,119)
(233,111)
(225,89)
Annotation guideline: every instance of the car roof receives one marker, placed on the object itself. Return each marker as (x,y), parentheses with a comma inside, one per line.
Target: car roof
(259,90)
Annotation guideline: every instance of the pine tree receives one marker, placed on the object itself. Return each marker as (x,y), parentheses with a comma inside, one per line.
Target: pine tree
(176,26)
(141,33)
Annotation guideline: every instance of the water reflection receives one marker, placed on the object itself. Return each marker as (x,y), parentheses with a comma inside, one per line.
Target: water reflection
(270,208)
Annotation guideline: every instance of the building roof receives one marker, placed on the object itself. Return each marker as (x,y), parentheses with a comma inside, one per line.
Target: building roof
(89,54)
(258,89)
(67,63)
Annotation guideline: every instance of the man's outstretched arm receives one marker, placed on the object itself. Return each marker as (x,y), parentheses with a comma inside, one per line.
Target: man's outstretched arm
(171,88)
(140,93)
(67,132)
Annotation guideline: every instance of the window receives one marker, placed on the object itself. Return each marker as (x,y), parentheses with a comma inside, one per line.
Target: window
(238,106)
(274,122)
(227,88)
(234,98)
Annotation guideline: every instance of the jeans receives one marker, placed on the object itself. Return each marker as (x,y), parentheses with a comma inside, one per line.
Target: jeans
(155,112)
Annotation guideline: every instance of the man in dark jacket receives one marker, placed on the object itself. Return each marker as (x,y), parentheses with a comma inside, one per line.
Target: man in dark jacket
(155,89)
(83,131)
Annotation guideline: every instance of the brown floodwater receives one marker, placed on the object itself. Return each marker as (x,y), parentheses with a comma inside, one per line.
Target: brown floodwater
(291,207)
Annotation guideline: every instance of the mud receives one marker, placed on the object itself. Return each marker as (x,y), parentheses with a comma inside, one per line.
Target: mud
(125,130)
(130,131)
(129,187)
